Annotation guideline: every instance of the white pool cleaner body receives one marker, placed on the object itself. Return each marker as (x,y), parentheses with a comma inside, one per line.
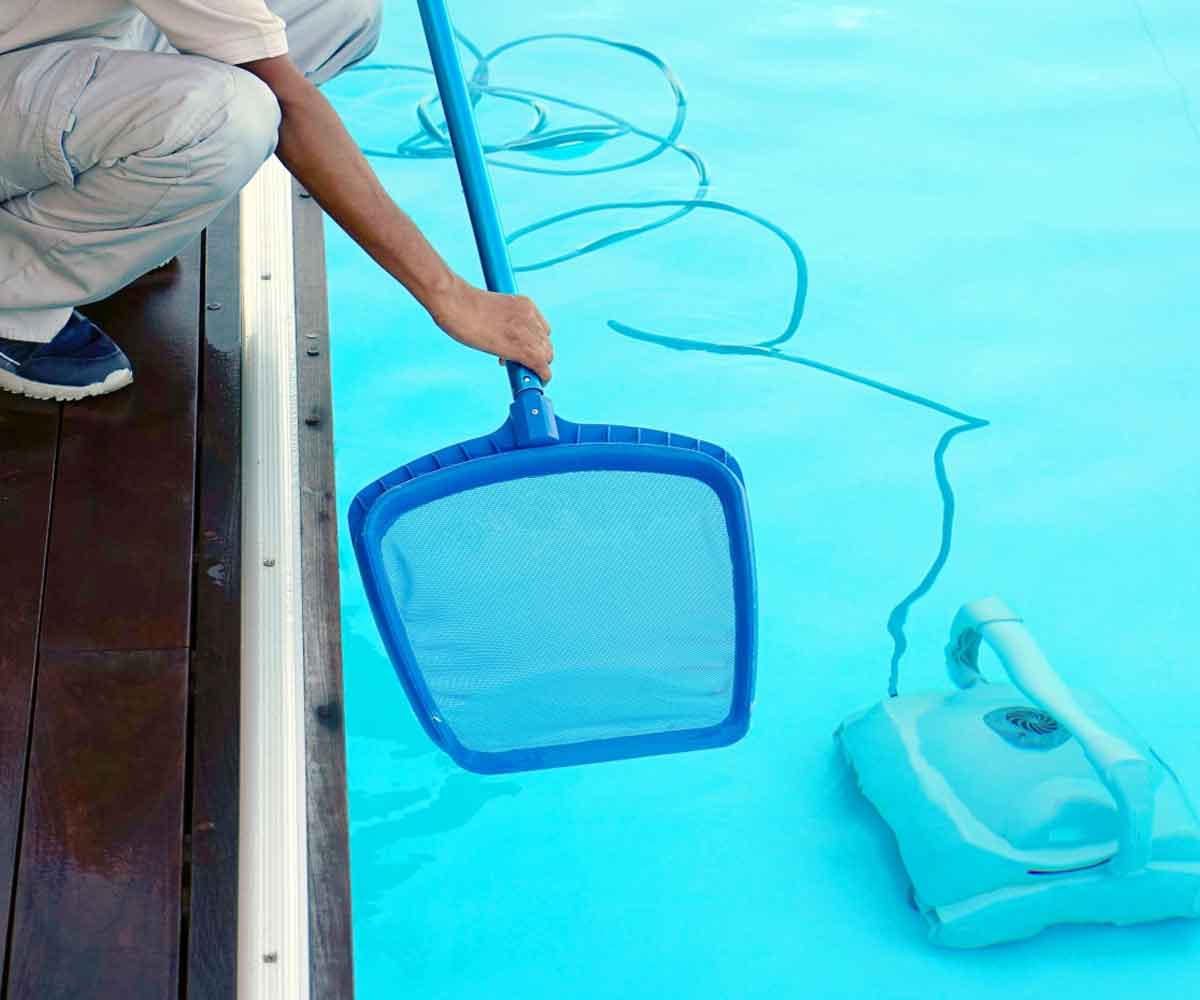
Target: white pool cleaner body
(1018,806)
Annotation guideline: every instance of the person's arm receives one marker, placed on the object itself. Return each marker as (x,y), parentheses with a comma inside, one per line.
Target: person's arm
(315,146)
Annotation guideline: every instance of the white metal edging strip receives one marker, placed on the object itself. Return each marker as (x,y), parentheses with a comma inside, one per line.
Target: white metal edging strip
(273,863)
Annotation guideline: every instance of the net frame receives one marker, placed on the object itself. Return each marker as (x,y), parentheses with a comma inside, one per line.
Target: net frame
(498,457)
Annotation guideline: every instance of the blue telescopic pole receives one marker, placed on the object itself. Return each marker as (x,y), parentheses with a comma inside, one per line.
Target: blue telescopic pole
(532,412)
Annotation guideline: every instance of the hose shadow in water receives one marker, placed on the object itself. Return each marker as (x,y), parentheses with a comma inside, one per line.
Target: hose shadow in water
(572,143)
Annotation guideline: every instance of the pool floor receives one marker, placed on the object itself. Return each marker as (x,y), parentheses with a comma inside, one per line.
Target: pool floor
(942,306)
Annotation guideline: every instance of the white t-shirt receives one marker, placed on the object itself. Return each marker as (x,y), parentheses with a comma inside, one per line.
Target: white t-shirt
(230,31)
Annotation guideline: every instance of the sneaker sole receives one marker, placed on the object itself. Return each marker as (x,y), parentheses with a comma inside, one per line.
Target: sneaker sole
(64,393)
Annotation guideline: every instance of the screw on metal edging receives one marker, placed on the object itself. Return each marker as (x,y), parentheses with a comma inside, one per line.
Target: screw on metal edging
(213,306)
(268,562)
(266,276)
(313,419)
(271,956)
(312,352)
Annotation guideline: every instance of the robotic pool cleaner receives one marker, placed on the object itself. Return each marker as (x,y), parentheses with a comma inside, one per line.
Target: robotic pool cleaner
(1018,806)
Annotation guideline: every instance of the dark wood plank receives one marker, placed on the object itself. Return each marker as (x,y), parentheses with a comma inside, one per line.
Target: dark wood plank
(119,568)
(211,945)
(331,954)
(28,443)
(97,904)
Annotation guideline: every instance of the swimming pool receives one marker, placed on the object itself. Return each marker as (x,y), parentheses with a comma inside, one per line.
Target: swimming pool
(989,217)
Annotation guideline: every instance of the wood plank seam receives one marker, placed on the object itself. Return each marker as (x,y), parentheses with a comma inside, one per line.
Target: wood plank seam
(185,867)
(11,903)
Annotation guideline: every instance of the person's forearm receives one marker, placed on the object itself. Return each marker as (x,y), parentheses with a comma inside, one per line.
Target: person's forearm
(315,146)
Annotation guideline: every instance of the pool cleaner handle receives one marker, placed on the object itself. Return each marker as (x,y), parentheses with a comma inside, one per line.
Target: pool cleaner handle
(532,413)
(1124,770)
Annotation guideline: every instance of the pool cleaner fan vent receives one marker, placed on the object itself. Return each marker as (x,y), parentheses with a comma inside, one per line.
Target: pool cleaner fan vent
(1027,728)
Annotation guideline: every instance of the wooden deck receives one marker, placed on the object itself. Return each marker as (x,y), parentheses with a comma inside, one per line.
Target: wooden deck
(120,650)
(330,938)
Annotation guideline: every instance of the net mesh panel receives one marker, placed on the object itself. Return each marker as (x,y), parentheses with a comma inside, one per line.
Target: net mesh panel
(575,606)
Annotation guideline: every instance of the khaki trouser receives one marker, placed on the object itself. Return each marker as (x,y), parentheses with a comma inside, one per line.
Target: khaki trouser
(114,154)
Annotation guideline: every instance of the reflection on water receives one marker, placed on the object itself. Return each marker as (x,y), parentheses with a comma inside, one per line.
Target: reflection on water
(453,805)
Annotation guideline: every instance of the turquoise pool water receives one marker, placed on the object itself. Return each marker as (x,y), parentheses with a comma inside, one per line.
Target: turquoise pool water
(997,207)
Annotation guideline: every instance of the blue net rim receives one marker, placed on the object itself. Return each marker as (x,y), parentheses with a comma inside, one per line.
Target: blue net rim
(582,447)
(504,440)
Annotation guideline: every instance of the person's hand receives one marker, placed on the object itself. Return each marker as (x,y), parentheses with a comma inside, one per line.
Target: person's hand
(508,326)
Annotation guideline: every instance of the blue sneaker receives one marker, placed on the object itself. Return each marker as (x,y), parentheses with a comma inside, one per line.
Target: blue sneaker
(80,361)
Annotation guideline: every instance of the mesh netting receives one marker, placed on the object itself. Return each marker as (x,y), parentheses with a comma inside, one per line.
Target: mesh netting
(561,608)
